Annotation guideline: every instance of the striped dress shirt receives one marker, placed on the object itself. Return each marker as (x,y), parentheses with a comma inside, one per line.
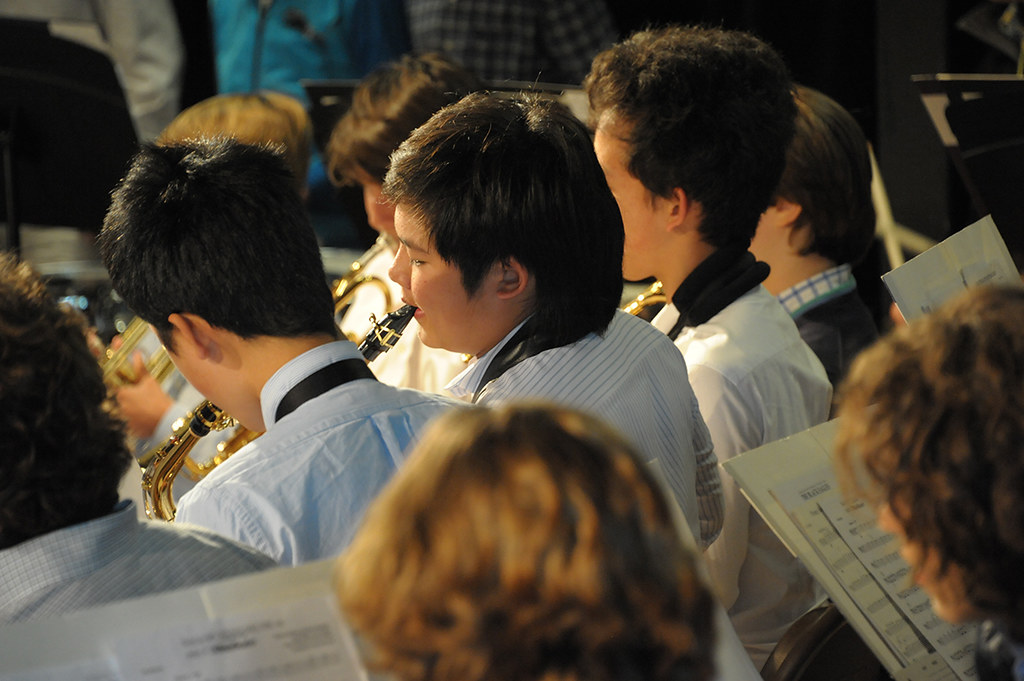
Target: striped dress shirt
(635,379)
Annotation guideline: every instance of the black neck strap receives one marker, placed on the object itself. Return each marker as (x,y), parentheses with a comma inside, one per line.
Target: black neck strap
(525,343)
(319,382)
(716,283)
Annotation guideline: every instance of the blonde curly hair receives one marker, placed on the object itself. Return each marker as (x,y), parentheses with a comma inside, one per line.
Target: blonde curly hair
(522,544)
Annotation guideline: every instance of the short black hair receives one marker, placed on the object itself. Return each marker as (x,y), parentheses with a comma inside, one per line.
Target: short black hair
(707,110)
(216,228)
(496,178)
(63,453)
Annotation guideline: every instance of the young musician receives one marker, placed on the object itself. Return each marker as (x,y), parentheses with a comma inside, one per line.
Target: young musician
(66,541)
(207,241)
(150,408)
(692,126)
(931,427)
(820,222)
(511,248)
(386,106)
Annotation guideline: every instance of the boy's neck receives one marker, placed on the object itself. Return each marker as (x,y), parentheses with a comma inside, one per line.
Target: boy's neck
(261,358)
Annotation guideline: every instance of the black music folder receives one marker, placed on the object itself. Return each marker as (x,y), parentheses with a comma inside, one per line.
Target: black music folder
(980,120)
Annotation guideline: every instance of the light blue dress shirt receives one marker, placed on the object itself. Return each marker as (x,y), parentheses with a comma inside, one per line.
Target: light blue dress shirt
(635,379)
(298,492)
(111,558)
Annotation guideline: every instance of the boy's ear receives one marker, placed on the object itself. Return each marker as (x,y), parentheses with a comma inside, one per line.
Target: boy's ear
(513,278)
(682,213)
(194,334)
(787,212)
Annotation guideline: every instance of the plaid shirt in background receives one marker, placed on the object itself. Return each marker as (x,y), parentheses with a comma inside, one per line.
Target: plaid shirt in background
(550,41)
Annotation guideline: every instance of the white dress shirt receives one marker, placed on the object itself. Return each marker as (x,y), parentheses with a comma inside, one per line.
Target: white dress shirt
(298,492)
(756,382)
(632,378)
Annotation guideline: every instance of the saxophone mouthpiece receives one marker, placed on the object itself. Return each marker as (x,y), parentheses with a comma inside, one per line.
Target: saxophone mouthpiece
(384,334)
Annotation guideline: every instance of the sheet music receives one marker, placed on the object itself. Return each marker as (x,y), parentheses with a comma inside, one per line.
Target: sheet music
(279,624)
(974,256)
(792,484)
(803,499)
(300,641)
(878,551)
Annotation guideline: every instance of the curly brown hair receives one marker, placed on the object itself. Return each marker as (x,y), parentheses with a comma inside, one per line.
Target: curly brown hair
(522,544)
(932,424)
(705,109)
(62,449)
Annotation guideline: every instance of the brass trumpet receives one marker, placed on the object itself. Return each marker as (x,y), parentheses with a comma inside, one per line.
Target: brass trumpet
(116,363)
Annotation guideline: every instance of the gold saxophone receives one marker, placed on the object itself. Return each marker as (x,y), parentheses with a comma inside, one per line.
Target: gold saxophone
(344,289)
(166,461)
(647,304)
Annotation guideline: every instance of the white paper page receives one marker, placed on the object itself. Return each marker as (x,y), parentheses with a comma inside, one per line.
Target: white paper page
(84,670)
(930,668)
(878,611)
(974,256)
(786,481)
(282,622)
(300,641)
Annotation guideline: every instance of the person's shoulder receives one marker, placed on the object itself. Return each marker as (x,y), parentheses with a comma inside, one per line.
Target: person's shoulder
(386,398)
(752,337)
(627,328)
(201,545)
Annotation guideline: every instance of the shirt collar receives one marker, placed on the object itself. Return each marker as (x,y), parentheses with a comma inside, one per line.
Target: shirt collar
(465,385)
(820,288)
(298,368)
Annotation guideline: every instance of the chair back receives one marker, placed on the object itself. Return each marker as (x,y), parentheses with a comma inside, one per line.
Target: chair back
(822,646)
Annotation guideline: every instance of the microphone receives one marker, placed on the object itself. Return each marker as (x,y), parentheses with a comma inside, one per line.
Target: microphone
(296,19)
(257,44)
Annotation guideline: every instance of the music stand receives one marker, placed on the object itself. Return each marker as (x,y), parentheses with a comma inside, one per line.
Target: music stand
(64,127)
(330,99)
(980,120)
